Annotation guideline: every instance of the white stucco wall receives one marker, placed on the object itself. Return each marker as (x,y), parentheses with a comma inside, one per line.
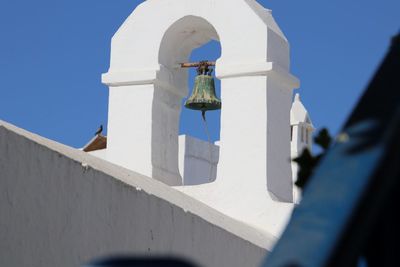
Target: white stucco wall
(198,160)
(61,207)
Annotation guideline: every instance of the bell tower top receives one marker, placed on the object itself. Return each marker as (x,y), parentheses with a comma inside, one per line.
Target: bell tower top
(145,45)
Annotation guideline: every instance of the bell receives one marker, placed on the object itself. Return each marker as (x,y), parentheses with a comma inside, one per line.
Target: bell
(203,96)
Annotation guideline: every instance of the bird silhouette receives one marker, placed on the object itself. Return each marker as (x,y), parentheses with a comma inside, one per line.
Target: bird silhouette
(99,130)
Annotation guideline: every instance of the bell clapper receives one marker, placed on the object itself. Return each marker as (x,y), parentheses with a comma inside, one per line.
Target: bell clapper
(203,114)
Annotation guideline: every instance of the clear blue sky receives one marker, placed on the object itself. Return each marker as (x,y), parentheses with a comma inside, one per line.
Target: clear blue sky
(52,54)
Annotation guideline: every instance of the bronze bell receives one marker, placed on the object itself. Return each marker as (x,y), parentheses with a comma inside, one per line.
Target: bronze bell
(203,96)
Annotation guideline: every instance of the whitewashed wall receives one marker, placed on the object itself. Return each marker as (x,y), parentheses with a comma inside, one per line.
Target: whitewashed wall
(198,160)
(60,207)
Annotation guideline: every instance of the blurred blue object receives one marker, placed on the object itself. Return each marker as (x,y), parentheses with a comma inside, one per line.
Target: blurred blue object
(348,208)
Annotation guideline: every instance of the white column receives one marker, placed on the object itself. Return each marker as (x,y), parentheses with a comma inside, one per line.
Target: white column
(255,132)
(143,126)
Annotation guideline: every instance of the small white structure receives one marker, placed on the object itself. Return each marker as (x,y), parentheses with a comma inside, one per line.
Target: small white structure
(301,131)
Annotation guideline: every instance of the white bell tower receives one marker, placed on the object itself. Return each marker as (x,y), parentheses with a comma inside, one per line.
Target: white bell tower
(146,85)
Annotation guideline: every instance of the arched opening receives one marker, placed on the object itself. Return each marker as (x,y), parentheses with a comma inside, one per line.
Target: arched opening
(199,159)
(190,39)
(191,122)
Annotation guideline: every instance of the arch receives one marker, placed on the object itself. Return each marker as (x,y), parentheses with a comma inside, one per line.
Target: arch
(191,122)
(135,46)
(184,35)
(178,41)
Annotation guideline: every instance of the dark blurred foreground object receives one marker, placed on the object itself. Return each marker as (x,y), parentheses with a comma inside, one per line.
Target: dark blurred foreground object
(140,262)
(307,162)
(348,213)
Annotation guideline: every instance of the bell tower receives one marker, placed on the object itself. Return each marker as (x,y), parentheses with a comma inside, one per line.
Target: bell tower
(301,131)
(146,85)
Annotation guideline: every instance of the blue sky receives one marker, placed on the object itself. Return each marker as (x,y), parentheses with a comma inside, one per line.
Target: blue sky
(52,54)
